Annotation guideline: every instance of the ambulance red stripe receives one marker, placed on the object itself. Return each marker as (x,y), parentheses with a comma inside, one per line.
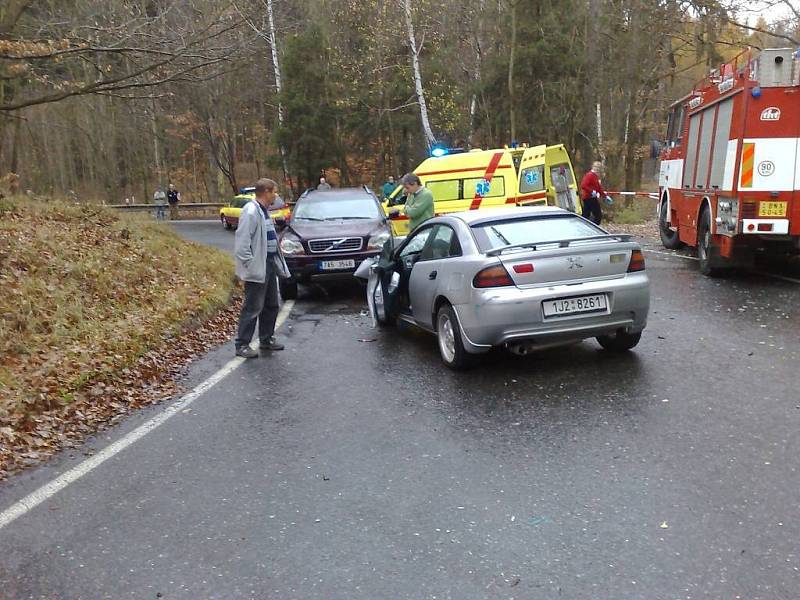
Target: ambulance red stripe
(493,164)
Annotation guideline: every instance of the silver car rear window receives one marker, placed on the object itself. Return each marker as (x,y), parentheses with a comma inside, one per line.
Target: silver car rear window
(506,232)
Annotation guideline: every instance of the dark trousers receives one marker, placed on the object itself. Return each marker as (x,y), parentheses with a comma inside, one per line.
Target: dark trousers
(260,304)
(592,210)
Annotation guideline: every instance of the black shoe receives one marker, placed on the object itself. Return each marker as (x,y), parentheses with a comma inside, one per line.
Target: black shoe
(273,346)
(246,352)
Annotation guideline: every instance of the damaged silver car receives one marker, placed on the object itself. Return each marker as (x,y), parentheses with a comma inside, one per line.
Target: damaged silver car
(520,278)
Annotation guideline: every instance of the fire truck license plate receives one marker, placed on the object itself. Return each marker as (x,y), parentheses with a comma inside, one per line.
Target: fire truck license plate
(571,306)
(772,209)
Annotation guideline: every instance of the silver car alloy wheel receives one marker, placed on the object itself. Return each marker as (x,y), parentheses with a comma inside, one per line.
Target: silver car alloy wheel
(447,338)
(377,297)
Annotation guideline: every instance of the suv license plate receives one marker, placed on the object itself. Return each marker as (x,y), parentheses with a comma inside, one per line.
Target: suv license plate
(570,306)
(337,265)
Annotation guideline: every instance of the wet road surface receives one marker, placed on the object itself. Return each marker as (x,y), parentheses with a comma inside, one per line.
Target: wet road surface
(353,465)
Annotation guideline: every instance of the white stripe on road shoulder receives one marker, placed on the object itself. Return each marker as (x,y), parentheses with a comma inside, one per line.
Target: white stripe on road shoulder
(48,490)
(670,254)
(765,274)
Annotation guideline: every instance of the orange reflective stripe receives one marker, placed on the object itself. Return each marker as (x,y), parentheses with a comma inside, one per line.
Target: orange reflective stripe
(477,199)
(748,163)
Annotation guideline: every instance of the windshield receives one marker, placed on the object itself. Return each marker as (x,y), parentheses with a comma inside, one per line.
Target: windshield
(334,209)
(532,231)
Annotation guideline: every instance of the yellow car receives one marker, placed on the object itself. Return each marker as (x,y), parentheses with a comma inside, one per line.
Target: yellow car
(229,215)
(539,175)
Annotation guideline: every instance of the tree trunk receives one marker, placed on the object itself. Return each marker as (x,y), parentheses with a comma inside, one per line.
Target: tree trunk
(276,67)
(427,132)
(511,116)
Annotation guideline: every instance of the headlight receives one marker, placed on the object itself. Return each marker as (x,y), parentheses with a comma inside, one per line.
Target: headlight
(377,241)
(289,246)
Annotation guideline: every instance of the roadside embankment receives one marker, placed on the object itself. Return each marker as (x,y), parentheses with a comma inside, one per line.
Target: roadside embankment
(99,312)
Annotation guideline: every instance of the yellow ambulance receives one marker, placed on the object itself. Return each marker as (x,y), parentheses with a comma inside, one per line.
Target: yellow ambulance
(489,178)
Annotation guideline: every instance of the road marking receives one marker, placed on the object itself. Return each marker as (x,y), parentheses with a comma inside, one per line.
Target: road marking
(765,274)
(671,254)
(48,490)
(782,277)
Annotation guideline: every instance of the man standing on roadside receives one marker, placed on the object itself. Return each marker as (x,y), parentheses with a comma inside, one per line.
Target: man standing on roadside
(419,201)
(160,200)
(323,185)
(259,263)
(173,197)
(388,187)
(592,192)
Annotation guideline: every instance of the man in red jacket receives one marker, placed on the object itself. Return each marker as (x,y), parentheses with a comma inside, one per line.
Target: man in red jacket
(592,193)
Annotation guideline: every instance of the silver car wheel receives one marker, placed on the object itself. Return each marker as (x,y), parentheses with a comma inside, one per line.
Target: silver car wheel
(447,338)
(380,307)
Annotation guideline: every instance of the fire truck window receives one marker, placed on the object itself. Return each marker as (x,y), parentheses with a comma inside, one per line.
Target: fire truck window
(704,153)
(721,137)
(445,190)
(691,149)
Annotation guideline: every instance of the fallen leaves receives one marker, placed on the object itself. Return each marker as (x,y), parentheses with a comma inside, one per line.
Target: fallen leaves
(99,314)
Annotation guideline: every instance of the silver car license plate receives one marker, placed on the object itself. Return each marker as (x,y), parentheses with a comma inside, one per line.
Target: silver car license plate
(337,265)
(570,306)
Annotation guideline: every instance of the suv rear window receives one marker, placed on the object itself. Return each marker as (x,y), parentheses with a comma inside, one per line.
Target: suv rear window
(532,230)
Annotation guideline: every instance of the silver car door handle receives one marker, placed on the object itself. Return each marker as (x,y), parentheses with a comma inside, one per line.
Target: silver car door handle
(432,275)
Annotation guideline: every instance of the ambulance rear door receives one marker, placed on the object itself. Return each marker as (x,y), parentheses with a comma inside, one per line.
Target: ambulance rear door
(532,182)
(562,190)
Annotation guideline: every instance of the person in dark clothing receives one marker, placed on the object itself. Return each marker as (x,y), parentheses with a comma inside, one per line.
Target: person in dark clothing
(592,193)
(173,197)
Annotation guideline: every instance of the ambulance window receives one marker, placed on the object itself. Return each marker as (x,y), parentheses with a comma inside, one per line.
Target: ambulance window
(485,189)
(556,170)
(445,190)
(531,179)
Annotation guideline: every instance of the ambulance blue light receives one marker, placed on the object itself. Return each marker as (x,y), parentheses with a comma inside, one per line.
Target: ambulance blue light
(439,151)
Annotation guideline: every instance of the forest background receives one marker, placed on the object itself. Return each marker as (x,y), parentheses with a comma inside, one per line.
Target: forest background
(104,100)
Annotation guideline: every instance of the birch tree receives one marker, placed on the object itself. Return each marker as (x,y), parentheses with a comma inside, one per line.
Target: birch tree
(427,132)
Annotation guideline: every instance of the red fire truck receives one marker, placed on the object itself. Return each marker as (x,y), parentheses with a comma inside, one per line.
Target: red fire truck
(729,181)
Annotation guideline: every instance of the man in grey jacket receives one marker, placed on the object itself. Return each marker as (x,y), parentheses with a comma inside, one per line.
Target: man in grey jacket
(259,263)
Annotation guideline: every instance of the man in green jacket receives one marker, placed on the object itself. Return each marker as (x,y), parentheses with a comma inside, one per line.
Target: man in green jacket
(419,201)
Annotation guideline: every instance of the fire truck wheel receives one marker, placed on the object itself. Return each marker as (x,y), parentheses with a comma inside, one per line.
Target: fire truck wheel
(705,249)
(669,238)
(620,341)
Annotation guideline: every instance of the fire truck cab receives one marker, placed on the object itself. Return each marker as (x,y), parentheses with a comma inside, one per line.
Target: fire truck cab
(729,181)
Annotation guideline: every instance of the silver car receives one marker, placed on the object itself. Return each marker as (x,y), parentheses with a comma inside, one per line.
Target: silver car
(519,278)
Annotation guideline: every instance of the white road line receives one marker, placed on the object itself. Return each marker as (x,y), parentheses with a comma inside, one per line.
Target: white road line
(765,274)
(782,277)
(48,490)
(671,254)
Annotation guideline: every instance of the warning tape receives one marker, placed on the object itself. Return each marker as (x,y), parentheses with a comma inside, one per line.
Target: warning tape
(651,195)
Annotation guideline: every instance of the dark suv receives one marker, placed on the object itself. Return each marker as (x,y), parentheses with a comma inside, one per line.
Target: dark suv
(330,233)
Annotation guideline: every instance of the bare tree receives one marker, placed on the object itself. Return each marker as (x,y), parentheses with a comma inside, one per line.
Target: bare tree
(427,132)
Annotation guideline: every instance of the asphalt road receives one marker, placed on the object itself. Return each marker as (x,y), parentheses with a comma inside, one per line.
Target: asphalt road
(353,465)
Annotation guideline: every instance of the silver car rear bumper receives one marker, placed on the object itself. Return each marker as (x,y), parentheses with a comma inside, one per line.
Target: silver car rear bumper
(498,316)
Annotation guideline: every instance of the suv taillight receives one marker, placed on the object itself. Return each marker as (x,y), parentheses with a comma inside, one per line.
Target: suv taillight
(495,276)
(637,262)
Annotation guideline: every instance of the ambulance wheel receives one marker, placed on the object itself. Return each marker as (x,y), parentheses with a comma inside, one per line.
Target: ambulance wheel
(288,288)
(669,238)
(705,249)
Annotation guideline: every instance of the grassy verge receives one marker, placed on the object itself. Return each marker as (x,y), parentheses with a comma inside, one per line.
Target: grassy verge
(88,300)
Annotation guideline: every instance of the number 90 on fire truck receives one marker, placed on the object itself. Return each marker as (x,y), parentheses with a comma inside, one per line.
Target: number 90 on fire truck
(729,181)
